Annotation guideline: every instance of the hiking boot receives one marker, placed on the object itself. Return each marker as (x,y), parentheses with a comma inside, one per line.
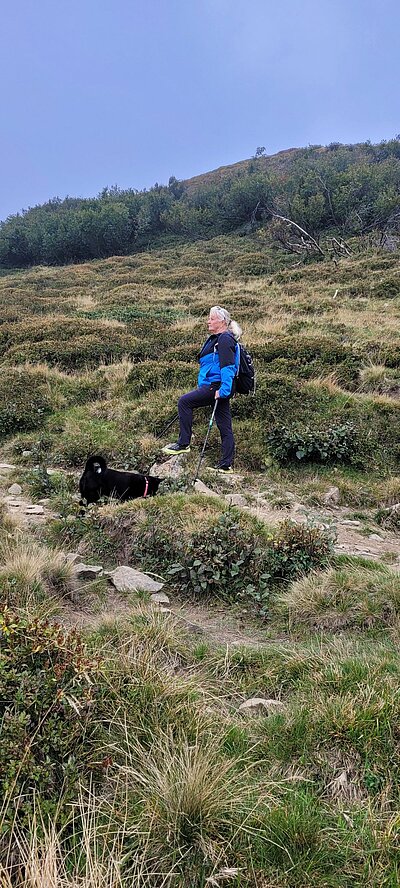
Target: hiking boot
(175,449)
(224,470)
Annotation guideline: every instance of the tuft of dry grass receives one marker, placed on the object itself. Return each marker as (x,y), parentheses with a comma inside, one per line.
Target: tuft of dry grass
(350,595)
(31,574)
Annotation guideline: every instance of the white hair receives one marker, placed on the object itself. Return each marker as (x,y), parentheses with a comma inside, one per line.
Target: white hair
(224,315)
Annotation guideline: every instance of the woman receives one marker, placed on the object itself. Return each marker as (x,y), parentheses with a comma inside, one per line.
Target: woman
(219,363)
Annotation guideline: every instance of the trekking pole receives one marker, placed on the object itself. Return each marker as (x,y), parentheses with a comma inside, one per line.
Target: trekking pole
(205,442)
(168,426)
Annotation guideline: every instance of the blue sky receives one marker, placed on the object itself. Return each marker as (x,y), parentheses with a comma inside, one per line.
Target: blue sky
(129,92)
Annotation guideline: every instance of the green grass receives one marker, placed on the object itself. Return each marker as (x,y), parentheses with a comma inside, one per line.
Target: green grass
(192,791)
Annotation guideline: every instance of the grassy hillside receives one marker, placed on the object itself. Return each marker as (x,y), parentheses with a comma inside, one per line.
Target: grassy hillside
(125,759)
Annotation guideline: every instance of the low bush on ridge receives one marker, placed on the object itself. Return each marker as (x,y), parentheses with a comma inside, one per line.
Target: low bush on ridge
(205,550)
(24,400)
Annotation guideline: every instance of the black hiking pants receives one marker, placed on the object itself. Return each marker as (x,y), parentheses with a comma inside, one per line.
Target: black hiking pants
(204,396)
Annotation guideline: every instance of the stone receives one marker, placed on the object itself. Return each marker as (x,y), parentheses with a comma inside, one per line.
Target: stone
(261,706)
(235,499)
(332,496)
(348,522)
(202,488)
(45,501)
(159,598)
(6,467)
(375,536)
(14,504)
(15,490)
(87,571)
(34,510)
(127,579)
(26,453)
(171,468)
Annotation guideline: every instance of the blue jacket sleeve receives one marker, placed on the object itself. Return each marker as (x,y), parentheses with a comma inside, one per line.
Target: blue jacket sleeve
(227,362)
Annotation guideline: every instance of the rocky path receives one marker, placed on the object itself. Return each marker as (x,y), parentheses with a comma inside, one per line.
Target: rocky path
(215,625)
(352,537)
(21,509)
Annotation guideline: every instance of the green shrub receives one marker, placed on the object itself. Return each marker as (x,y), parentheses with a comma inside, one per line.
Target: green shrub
(47,708)
(232,562)
(309,357)
(332,444)
(24,400)
(389,288)
(76,353)
(224,562)
(161,374)
(252,264)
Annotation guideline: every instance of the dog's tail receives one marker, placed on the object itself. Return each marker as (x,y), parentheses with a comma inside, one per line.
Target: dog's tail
(96,464)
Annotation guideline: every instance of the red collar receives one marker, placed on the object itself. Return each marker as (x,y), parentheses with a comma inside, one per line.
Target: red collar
(146,487)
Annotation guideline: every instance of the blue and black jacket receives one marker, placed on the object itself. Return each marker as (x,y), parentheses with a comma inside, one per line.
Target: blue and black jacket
(219,362)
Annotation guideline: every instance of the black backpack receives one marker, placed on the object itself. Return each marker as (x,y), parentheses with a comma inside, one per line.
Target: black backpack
(246,375)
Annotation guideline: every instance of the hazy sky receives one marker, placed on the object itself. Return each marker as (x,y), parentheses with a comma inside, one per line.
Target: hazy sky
(98,92)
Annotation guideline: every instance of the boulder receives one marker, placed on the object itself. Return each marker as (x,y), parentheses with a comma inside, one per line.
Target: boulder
(261,706)
(171,468)
(202,488)
(15,490)
(235,499)
(87,571)
(127,579)
(332,496)
(159,598)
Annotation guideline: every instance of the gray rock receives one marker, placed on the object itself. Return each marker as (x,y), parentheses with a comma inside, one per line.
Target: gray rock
(332,496)
(45,501)
(349,523)
(375,536)
(6,467)
(34,510)
(202,488)
(235,499)
(172,468)
(15,490)
(87,571)
(261,706)
(159,598)
(14,504)
(127,579)
(26,453)
(297,507)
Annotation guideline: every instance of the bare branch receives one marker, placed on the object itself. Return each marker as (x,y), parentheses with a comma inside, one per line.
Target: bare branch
(302,231)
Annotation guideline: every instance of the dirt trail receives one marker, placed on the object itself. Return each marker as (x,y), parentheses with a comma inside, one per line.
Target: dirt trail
(216,624)
(351,538)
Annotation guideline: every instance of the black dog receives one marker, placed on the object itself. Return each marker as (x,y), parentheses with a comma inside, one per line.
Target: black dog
(97,481)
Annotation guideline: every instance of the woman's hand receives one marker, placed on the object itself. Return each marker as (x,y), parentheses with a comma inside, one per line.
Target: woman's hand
(217,395)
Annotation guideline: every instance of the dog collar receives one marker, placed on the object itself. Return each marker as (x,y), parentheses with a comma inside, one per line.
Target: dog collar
(146,487)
